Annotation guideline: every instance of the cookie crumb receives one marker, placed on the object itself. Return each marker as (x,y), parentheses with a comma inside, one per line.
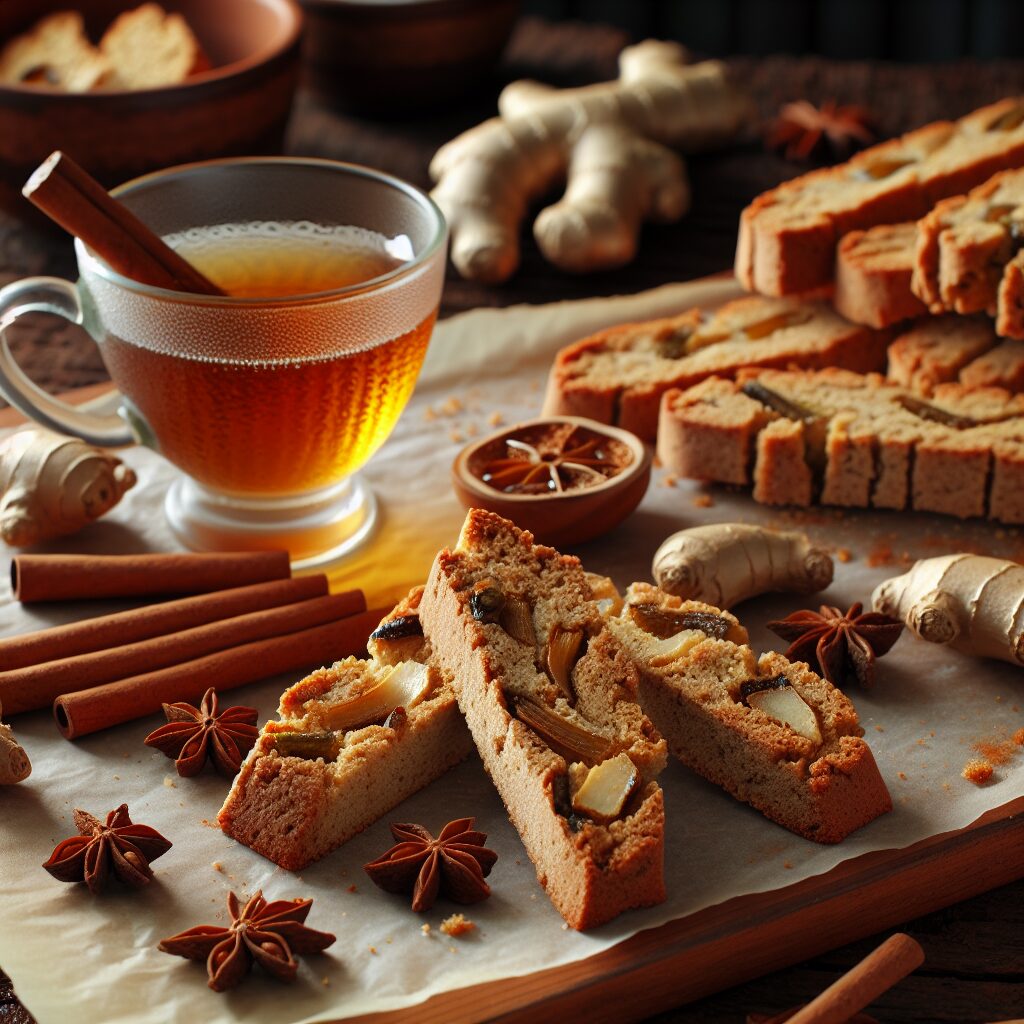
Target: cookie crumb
(456,925)
(373,950)
(844,555)
(902,775)
(495,419)
(977,772)
(456,436)
(452,406)
(669,480)
(425,929)
(788,865)
(325,982)
(169,782)
(703,501)
(351,888)
(217,866)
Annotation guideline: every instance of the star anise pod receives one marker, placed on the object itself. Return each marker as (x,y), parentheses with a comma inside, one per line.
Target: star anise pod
(193,734)
(455,864)
(843,646)
(832,132)
(265,933)
(116,848)
(529,470)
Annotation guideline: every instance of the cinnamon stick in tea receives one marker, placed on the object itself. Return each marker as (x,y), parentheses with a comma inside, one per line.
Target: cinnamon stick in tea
(74,199)
(88,711)
(82,577)
(36,686)
(106,631)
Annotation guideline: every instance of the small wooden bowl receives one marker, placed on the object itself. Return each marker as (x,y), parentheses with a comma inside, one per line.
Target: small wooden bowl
(239,106)
(561,519)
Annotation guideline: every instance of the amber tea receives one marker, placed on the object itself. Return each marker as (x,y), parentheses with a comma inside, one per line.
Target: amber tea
(267,417)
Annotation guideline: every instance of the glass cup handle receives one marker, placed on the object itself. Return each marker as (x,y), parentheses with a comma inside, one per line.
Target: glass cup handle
(50,295)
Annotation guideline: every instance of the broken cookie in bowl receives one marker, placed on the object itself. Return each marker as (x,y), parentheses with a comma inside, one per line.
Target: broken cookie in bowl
(565,479)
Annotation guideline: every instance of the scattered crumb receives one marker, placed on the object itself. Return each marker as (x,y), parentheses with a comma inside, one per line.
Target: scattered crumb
(1018,737)
(902,775)
(565,927)
(351,888)
(456,925)
(947,787)
(844,555)
(703,501)
(452,406)
(217,866)
(921,743)
(425,929)
(456,436)
(995,752)
(977,772)
(325,982)
(669,480)
(495,419)
(373,950)
(117,778)
(169,782)
(429,415)
(788,865)
(879,728)
(388,942)
(881,554)
(472,430)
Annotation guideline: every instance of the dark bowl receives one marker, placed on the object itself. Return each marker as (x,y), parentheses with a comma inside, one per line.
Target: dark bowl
(238,107)
(390,58)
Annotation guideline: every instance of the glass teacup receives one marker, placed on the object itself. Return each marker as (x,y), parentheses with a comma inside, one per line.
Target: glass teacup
(270,398)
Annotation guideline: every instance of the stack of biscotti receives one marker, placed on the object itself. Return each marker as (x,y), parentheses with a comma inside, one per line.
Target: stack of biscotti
(351,742)
(854,440)
(550,698)
(619,375)
(770,732)
(788,236)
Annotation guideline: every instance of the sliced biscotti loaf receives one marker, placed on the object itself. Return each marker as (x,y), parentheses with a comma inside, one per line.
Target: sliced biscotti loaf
(788,235)
(873,272)
(768,731)
(1002,366)
(550,698)
(619,375)
(936,350)
(849,439)
(351,742)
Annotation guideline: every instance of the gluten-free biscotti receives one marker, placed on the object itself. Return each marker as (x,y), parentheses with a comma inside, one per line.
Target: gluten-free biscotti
(619,375)
(788,235)
(769,731)
(350,743)
(854,440)
(550,698)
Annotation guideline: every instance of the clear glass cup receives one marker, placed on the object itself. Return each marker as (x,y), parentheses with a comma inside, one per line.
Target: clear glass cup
(267,406)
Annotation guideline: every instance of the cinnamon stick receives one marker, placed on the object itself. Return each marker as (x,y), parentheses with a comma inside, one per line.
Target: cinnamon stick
(82,577)
(88,711)
(74,199)
(894,959)
(36,686)
(106,631)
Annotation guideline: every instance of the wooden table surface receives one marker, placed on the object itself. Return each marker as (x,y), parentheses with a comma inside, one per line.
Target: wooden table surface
(974,968)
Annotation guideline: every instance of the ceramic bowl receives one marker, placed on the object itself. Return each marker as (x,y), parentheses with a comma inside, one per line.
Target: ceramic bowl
(390,57)
(565,518)
(238,107)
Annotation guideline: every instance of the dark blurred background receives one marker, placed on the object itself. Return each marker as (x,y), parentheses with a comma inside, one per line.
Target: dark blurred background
(904,30)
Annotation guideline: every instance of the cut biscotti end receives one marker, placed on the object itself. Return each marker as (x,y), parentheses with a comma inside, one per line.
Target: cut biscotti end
(936,349)
(769,731)
(351,742)
(548,695)
(147,47)
(56,53)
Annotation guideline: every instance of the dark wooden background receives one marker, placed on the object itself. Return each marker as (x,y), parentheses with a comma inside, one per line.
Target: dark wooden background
(974,970)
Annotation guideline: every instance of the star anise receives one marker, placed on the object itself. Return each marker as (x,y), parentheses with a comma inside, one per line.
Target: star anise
(116,848)
(843,646)
(455,864)
(193,734)
(832,132)
(528,469)
(267,933)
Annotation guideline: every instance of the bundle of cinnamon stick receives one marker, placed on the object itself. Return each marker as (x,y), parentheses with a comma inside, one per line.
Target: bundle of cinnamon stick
(246,619)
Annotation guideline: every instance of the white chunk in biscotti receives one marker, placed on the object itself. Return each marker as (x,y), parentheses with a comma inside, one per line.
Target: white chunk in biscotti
(591,871)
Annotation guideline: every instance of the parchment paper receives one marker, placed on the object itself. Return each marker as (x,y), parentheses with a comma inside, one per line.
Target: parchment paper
(76,957)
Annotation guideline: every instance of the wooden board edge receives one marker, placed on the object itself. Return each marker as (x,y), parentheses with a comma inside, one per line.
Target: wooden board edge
(11,417)
(748,936)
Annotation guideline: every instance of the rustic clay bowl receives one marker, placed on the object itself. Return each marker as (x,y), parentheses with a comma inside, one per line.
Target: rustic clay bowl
(559,519)
(392,57)
(238,107)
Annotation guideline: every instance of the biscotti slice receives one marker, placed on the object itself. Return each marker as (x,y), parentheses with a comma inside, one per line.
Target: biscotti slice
(936,349)
(873,272)
(56,53)
(550,698)
(147,47)
(788,235)
(767,730)
(351,742)
(1000,367)
(619,375)
(842,438)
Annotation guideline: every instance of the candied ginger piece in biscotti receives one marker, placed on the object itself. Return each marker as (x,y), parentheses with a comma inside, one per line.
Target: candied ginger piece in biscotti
(550,698)
(351,742)
(768,731)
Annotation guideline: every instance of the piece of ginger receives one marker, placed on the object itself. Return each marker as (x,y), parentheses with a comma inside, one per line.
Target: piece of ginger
(14,763)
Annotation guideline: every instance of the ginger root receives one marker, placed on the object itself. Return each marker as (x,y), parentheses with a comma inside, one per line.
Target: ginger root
(51,485)
(611,138)
(14,763)
(971,602)
(726,563)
